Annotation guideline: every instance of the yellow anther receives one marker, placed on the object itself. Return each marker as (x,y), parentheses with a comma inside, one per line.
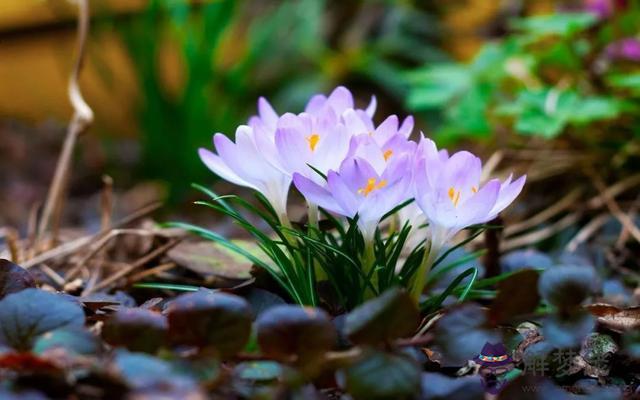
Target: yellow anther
(454,196)
(313,140)
(474,189)
(387,154)
(371,186)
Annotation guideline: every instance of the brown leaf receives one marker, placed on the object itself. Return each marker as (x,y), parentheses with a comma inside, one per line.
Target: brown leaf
(210,259)
(615,318)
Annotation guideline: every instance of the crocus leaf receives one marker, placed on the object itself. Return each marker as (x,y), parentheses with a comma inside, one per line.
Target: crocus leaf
(27,314)
(288,330)
(136,329)
(206,319)
(389,316)
(13,278)
(379,375)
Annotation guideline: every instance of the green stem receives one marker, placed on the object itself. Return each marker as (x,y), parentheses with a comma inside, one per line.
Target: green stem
(312,219)
(420,277)
(369,263)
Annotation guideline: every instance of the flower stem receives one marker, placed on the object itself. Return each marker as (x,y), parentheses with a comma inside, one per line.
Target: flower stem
(312,222)
(369,263)
(420,277)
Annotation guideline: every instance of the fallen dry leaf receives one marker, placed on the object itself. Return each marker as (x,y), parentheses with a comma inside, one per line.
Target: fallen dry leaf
(210,259)
(615,318)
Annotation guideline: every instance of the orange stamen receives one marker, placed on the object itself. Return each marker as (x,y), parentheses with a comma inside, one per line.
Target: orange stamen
(387,154)
(313,140)
(371,186)
(454,196)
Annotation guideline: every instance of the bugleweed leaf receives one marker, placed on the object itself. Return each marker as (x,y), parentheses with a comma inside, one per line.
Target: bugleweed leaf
(389,316)
(293,331)
(214,320)
(32,312)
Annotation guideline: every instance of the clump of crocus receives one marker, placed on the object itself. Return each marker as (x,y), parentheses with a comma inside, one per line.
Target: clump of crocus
(340,161)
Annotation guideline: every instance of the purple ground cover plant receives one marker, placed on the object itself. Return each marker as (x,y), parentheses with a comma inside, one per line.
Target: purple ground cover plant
(373,183)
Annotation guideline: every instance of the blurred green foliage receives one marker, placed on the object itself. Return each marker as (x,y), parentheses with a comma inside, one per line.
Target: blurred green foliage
(553,74)
(235,51)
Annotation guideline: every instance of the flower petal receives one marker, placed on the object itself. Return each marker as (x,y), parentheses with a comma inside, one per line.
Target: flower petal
(340,99)
(215,164)
(316,194)
(508,193)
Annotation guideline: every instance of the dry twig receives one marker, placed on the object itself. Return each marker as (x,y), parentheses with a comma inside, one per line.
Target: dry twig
(80,121)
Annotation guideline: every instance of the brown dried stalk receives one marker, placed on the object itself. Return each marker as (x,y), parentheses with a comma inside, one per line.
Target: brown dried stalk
(80,121)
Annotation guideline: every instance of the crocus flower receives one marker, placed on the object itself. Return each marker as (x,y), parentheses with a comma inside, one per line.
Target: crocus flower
(600,8)
(357,189)
(449,192)
(244,164)
(340,100)
(305,140)
(627,49)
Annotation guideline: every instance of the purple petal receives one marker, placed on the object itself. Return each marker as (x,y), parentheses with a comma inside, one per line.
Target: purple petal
(407,127)
(477,209)
(354,124)
(316,104)
(508,193)
(342,195)
(215,164)
(315,194)
(371,108)
(386,129)
(266,112)
(462,172)
(340,99)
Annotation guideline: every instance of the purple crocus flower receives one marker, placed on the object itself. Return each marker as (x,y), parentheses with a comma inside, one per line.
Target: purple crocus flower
(245,164)
(340,100)
(601,8)
(380,156)
(358,189)
(449,192)
(305,140)
(627,49)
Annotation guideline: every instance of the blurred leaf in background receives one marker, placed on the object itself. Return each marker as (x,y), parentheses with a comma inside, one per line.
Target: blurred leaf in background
(231,52)
(568,73)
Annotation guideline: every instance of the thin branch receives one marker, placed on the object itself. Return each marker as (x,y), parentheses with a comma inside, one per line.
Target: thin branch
(80,121)
(545,215)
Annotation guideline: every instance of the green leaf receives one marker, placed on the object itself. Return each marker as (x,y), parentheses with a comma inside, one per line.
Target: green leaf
(389,316)
(379,375)
(630,82)
(560,24)
(438,85)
